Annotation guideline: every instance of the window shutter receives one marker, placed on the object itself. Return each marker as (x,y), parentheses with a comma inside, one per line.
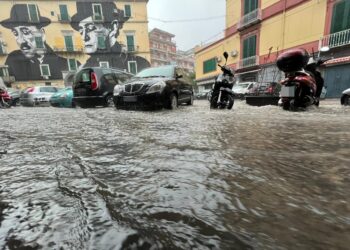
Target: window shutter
(69,43)
(33,13)
(209,65)
(132,66)
(39,42)
(130,43)
(250,5)
(72,64)
(64,12)
(127,11)
(101,43)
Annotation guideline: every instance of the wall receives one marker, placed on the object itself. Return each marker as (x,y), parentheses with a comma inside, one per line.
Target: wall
(24,59)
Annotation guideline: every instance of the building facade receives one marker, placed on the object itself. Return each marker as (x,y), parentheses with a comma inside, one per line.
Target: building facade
(163,48)
(41,42)
(257,31)
(185,59)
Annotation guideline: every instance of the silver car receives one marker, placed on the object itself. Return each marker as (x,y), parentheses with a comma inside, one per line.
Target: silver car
(37,96)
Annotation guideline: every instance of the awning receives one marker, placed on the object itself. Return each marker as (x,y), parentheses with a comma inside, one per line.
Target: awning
(206,80)
(339,60)
(247,72)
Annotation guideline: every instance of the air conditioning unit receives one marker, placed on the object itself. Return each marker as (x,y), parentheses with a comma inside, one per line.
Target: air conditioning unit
(218,59)
(234,53)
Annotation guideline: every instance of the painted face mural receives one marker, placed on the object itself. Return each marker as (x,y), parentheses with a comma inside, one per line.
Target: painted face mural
(91,33)
(30,40)
(34,60)
(101,34)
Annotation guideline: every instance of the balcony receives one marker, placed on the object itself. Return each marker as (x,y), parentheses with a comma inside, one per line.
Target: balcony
(64,18)
(97,18)
(68,49)
(8,79)
(334,40)
(248,62)
(249,19)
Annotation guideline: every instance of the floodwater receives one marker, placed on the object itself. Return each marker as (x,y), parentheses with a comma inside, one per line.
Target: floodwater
(193,178)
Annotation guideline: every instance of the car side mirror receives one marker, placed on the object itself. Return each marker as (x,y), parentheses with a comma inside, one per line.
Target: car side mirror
(178,76)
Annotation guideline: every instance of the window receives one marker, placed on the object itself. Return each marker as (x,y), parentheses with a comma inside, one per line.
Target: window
(72,64)
(340,18)
(68,40)
(209,65)
(45,70)
(33,13)
(249,47)
(250,5)
(130,42)
(101,42)
(97,10)
(132,66)
(39,42)
(104,64)
(64,12)
(127,10)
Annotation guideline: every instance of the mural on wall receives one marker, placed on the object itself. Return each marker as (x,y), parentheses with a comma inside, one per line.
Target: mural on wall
(99,25)
(25,63)
(91,30)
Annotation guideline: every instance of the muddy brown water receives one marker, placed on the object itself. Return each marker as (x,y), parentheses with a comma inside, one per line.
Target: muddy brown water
(193,178)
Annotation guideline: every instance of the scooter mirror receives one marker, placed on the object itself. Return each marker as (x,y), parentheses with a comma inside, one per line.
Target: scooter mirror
(225,55)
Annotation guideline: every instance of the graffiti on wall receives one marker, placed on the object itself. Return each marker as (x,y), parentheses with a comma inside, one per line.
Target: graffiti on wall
(35,59)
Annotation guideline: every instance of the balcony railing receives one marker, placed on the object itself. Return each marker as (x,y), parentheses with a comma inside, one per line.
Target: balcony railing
(249,19)
(8,79)
(338,39)
(64,18)
(248,62)
(69,49)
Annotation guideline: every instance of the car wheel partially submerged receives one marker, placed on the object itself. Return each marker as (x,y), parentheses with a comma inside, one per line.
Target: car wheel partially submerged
(109,101)
(173,103)
(345,100)
(190,102)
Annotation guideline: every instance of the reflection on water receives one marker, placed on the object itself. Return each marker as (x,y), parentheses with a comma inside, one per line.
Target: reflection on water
(249,178)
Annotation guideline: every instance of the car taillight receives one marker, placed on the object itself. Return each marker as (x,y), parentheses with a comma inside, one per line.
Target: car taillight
(94,83)
(30,90)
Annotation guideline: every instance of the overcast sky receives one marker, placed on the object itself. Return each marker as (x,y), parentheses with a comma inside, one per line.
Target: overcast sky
(189,33)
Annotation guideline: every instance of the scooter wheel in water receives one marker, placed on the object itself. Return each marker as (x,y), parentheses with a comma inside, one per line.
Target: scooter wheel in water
(230,102)
(214,102)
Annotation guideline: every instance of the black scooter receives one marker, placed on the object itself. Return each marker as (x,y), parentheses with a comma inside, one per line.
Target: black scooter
(222,94)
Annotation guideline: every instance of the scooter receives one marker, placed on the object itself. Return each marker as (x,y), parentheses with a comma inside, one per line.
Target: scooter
(5,98)
(222,95)
(299,88)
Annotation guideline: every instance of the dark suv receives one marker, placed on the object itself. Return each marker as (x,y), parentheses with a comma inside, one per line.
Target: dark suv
(94,86)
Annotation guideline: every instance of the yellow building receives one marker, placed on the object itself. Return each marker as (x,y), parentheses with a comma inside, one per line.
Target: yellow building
(42,42)
(257,31)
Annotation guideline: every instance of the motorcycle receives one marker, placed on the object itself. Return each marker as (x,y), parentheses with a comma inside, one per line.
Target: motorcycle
(300,87)
(221,94)
(5,98)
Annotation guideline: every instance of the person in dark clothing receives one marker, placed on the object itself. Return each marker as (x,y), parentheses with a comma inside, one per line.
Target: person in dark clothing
(99,29)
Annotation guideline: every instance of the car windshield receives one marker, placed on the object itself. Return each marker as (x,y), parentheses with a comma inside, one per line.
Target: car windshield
(166,71)
(241,86)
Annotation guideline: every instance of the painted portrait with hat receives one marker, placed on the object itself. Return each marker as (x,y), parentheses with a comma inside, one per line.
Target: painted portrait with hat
(27,26)
(99,24)
(25,30)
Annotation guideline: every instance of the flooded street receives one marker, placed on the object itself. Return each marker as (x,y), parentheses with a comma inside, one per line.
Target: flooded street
(194,178)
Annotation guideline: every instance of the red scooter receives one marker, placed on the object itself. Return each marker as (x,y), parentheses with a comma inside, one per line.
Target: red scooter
(5,98)
(299,87)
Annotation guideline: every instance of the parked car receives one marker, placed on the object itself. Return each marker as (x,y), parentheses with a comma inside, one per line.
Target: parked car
(37,96)
(15,95)
(202,95)
(5,98)
(63,98)
(345,98)
(158,87)
(94,86)
(241,89)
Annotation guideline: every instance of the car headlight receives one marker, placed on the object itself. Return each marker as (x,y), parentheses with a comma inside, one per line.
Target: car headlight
(158,87)
(118,89)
